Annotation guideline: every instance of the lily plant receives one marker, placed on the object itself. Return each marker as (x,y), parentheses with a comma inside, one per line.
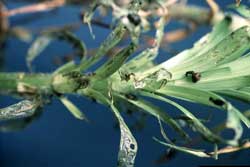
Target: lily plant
(213,71)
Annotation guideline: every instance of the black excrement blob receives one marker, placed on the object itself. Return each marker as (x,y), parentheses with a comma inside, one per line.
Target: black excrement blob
(130,96)
(217,102)
(134,18)
(195,76)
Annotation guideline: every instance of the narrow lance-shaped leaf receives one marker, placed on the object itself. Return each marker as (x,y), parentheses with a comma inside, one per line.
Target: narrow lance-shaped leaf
(156,112)
(73,109)
(197,124)
(210,99)
(170,144)
(227,50)
(22,109)
(202,46)
(199,153)
(128,144)
(112,40)
(113,64)
(43,41)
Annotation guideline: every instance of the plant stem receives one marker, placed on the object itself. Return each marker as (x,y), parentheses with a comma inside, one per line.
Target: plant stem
(23,83)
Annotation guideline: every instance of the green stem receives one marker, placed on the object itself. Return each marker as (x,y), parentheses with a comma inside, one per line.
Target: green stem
(23,83)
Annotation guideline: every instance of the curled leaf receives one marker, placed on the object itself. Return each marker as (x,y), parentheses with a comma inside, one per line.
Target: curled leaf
(22,109)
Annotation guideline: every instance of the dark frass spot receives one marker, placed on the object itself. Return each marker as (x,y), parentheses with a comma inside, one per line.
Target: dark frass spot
(195,76)
(134,18)
(130,96)
(83,83)
(132,146)
(217,102)
(228,18)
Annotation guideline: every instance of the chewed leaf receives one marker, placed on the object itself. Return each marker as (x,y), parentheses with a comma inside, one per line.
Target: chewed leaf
(36,48)
(73,109)
(22,109)
(14,125)
(128,144)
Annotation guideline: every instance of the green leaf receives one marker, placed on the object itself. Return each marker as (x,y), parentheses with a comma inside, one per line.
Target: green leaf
(209,98)
(128,145)
(73,109)
(206,43)
(156,112)
(112,40)
(41,43)
(227,50)
(196,122)
(113,64)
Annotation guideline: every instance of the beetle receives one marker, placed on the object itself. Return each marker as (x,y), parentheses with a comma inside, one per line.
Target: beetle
(134,18)
(217,102)
(195,76)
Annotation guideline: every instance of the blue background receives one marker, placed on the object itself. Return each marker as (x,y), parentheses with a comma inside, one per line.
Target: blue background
(58,139)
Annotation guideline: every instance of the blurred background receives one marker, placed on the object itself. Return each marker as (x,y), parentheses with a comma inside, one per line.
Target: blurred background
(56,138)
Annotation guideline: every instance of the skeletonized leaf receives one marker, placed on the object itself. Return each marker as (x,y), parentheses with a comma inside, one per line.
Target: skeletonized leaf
(73,109)
(19,124)
(22,109)
(128,144)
